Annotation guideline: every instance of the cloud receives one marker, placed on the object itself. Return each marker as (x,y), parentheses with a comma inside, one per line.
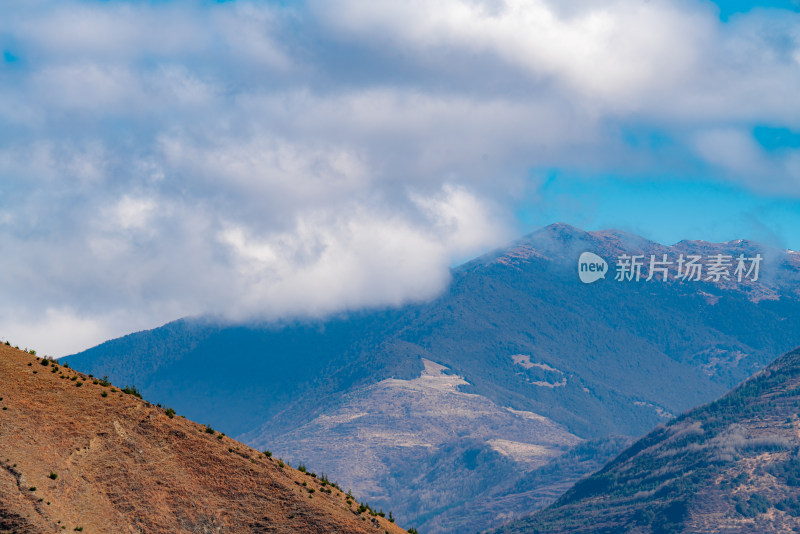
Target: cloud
(743,159)
(730,149)
(601,49)
(363,256)
(59,331)
(257,160)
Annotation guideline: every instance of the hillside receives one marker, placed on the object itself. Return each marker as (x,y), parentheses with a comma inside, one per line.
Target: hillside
(77,454)
(729,466)
(599,362)
(386,426)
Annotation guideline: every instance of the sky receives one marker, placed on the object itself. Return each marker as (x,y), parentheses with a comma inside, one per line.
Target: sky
(253,160)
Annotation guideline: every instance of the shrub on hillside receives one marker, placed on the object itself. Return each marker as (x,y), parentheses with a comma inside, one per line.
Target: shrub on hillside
(131,390)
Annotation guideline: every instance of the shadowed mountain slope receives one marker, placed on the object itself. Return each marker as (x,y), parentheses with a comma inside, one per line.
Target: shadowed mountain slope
(729,466)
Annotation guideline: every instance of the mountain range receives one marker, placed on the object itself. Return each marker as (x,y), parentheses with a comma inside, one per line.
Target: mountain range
(492,399)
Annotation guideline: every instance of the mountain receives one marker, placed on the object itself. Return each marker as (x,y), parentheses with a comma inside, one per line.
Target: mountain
(730,466)
(77,454)
(439,404)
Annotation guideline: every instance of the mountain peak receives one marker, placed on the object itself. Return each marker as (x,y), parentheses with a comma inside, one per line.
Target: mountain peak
(562,228)
(561,232)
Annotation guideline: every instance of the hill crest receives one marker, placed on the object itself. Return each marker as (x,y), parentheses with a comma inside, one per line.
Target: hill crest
(80,454)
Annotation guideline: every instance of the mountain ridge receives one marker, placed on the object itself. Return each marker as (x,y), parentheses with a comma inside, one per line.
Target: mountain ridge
(602,360)
(729,466)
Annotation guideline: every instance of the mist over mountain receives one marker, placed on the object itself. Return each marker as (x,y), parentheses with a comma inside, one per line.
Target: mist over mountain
(533,378)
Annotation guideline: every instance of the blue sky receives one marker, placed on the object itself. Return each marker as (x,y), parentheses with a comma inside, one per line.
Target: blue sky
(666,210)
(263,159)
(728,8)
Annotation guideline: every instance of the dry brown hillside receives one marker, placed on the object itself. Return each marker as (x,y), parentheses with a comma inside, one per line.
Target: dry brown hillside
(77,455)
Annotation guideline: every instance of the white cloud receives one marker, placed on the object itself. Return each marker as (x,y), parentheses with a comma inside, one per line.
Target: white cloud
(731,149)
(133,213)
(356,257)
(58,332)
(609,49)
(463,221)
(243,158)
(742,159)
(269,170)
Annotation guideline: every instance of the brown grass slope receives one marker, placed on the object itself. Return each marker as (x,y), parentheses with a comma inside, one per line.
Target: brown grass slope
(71,458)
(731,466)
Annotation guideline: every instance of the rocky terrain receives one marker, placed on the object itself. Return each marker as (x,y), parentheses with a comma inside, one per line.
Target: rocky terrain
(78,454)
(403,424)
(729,466)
